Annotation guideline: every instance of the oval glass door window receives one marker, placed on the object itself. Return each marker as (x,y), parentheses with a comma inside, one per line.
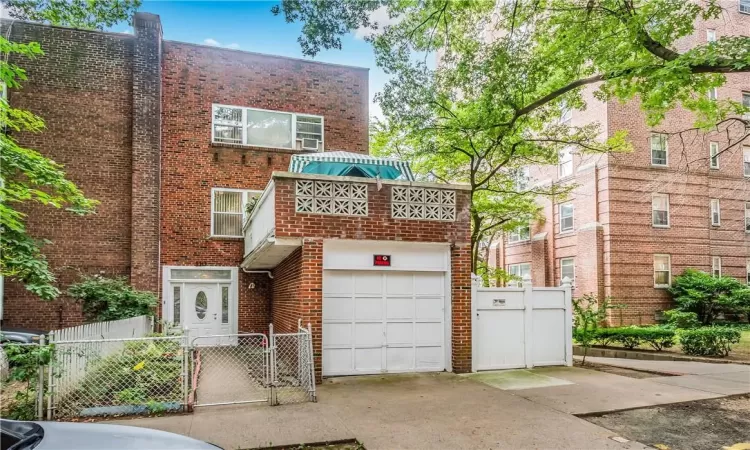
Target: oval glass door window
(201,305)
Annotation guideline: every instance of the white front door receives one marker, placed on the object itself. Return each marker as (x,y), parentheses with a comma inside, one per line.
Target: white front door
(206,310)
(383,321)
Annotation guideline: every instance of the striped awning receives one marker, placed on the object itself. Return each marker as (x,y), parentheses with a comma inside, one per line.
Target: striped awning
(341,163)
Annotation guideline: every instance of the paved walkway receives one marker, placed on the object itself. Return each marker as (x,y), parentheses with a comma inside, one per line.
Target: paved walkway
(230,374)
(427,411)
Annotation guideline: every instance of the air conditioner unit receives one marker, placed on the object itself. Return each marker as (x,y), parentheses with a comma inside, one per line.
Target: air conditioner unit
(310,144)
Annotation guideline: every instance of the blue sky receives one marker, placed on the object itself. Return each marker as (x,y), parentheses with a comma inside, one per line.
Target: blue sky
(250,26)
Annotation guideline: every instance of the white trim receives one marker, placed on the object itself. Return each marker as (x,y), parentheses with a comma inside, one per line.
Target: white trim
(516,232)
(653,197)
(717,210)
(564,158)
(746,161)
(715,264)
(710,35)
(246,193)
(669,271)
(747,217)
(666,149)
(573,279)
(713,155)
(167,310)
(572,217)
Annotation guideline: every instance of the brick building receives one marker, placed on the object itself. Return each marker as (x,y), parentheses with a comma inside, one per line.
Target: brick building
(188,149)
(636,220)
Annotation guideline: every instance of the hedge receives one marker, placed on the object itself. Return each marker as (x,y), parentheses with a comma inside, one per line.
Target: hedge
(631,337)
(709,341)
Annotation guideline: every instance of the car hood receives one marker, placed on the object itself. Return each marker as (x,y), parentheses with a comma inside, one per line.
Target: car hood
(96,436)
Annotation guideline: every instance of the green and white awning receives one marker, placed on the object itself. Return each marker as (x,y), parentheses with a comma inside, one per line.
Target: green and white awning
(351,164)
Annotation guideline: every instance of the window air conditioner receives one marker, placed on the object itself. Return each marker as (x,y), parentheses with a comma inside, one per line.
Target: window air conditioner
(310,144)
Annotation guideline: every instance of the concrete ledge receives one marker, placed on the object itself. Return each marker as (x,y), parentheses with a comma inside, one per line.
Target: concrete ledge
(648,356)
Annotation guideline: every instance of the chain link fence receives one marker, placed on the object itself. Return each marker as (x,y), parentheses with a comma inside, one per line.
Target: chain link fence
(292,367)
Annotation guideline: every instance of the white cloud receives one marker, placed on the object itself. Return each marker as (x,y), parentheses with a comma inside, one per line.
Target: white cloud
(379,17)
(214,43)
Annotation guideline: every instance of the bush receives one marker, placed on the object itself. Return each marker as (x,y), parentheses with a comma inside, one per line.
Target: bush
(631,337)
(709,341)
(111,299)
(681,319)
(708,296)
(588,313)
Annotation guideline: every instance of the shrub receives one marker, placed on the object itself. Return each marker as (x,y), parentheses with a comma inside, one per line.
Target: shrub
(111,298)
(681,319)
(588,312)
(709,341)
(631,337)
(707,296)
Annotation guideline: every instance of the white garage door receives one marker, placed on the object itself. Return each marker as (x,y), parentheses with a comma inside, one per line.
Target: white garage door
(380,321)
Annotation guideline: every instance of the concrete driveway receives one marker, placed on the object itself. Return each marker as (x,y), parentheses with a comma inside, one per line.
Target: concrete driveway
(428,411)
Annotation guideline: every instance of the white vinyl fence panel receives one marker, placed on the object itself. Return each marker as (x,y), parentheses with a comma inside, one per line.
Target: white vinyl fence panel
(91,339)
(521,327)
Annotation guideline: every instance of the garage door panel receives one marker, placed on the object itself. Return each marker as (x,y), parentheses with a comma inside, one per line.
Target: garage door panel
(430,333)
(337,334)
(368,334)
(430,308)
(429,284)
(429,358)
(337,283)
(368,283)
(337,361)
(399,333)
(399,284)
(368,359)
(337,308)
(368,308)
(399,308)
(400,359)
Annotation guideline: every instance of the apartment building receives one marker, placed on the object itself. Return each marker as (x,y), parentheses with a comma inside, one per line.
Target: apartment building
(635,221)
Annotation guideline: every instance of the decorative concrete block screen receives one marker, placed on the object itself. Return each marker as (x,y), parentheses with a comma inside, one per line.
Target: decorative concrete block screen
(423,203)
(330,197)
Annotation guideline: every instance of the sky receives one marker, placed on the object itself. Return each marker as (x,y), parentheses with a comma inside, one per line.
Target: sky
(251,26)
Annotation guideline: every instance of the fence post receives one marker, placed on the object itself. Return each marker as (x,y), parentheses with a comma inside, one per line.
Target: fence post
(528,321)
(186,350)
(312,362)
(271,366)
(50,373)
(567,290)
(40,385)
(476,283)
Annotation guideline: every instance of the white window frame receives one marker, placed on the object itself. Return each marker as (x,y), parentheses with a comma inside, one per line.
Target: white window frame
(654,196)
(715,212)
(746,161)
(713,94)
(573,265)
(243,126)
(747,217)
(746,104)
(666,149)
(669,271)
(519,266)
(747,271)
(716,266)
(710,35)
(572,217)
(565,162)
(515,235)
(744,6)
(713,155)
(246,194)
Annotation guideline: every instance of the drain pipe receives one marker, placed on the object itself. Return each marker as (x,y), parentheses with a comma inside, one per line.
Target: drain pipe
(267,272)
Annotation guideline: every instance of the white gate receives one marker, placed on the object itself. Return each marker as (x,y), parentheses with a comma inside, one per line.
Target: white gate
(521,327)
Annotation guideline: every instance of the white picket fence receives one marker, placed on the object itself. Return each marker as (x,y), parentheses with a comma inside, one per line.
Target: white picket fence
(71,363)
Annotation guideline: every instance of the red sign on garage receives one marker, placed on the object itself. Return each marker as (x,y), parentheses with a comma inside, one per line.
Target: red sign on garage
(381,260)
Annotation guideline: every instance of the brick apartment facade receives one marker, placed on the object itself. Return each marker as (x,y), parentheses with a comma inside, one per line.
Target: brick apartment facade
(175,139)
(614,244)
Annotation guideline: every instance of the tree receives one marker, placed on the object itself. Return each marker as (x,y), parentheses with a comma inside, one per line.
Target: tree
(708,296)
(506,73)
(26,175)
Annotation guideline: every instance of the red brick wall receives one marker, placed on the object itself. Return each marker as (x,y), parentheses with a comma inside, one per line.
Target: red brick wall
(82,87)
(287,283)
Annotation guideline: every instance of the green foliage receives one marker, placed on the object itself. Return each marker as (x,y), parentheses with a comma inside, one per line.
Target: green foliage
(27,175)
(708,296)
(111,298)
(681,319)
(25,362)
(588,313)
(709,341)
(658,338)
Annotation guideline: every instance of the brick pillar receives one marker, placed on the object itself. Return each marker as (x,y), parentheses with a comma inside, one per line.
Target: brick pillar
(311,297)
(144,253)
(461,307)
(589,262)
(539,260)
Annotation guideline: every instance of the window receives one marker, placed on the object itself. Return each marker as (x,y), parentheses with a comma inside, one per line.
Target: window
(264,128)
(660,210)
(522,233)
(662,271)
(745,6)
(521,271)
(565,162)
(716,266)
(228,211)
(568,269)
(176,306)
(566,112)
(658,149)
(566,217)
(747,271)
(713,152)
(746,104)
(522,179)
(710,35)
(713,93)
(715,212)
(746,160)
(225,304)
(747,217)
